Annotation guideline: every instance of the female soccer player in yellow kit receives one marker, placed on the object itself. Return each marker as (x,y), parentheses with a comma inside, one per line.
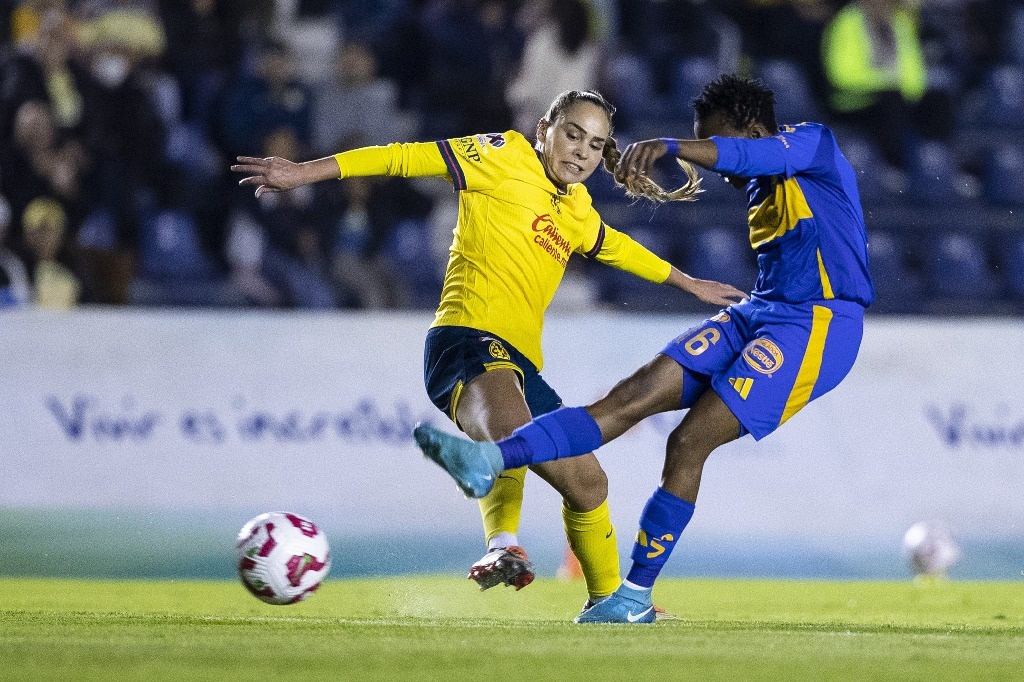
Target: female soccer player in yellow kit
(523,211)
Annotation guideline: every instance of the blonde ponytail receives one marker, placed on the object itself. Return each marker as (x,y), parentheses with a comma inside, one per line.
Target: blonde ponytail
(642,187)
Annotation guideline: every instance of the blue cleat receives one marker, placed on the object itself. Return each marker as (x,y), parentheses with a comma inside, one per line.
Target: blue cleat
(474,466)
(624,605)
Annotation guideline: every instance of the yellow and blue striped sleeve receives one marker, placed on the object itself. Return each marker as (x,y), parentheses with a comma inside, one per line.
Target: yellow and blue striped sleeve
(408,160)
(481,162)
(620,251)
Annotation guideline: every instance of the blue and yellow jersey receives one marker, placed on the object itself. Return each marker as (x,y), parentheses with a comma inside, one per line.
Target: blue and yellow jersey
(515,232)
(804,213)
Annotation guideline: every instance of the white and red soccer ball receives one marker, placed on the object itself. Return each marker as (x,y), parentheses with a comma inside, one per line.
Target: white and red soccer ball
(930,549)
(282,557)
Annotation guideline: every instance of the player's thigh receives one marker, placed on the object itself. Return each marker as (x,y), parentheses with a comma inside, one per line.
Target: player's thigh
(491,406)
(652,389)
(477,380)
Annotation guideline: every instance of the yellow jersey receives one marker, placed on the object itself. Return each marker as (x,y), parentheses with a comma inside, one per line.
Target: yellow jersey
(515,232)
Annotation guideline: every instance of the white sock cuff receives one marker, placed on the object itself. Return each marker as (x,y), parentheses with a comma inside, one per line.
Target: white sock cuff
(634,586)
(502,540)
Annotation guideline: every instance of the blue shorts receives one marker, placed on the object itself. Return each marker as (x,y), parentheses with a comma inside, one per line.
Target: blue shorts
(767,359)
(454,356)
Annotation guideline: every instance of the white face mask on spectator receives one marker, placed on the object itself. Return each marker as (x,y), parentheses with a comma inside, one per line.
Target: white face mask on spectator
(110,69)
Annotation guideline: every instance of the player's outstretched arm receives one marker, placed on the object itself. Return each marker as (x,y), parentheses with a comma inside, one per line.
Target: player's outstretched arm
(640,156)
(274,174)
(706,290)
(621,251)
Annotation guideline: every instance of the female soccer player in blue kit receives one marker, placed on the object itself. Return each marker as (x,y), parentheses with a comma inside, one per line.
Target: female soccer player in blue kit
(763,359)
(523,211)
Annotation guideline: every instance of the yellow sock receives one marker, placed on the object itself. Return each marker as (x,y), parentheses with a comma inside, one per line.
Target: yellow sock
(592,539)
(502,506)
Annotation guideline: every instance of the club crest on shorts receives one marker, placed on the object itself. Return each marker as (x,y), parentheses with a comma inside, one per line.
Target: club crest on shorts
(498,351)
(763,355)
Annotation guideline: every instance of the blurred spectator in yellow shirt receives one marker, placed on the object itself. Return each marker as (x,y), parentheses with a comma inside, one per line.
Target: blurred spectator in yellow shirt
(53,284)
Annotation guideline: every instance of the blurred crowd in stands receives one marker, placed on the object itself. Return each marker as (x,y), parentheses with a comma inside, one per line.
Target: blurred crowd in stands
(119,119)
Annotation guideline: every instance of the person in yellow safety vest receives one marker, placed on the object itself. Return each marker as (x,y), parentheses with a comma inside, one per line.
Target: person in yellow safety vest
(874,63)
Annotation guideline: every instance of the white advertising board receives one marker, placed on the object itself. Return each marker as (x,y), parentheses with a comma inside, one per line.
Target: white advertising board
(118,409)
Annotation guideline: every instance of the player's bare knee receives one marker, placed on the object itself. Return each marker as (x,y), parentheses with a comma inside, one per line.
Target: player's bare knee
(586,485)
(686,448)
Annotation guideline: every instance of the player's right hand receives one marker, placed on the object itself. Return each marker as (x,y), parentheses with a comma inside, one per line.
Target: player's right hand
(270,174)
(716,293)
(638,159)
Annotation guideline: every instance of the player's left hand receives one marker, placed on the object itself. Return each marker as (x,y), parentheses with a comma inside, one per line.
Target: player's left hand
(638,159)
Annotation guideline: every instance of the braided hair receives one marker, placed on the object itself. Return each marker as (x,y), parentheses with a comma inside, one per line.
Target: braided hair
(641,187)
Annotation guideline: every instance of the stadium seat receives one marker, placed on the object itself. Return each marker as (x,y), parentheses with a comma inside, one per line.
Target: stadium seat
(933,175)
(1013,264)
(174,268)
(794,100)
(189,147)
(408,248)
(1002,96)
(722,254)
(602,188)
(170,248)
(1004,176)
(7,299)
(898,289)
(956,268)
(865,159)
(632,90)
(689,77)
(717,189)
(630,293)
(1015,36)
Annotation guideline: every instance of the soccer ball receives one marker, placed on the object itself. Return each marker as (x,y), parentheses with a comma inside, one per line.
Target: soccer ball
(282,557)
(930,548)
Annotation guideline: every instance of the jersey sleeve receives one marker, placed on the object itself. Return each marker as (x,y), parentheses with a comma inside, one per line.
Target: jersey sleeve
(407,160)
(619,250)
(794,150)
(479,162)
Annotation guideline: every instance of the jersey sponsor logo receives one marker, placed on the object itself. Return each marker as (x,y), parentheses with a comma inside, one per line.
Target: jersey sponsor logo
(763,355)
(496,140)
(498,351)
(469,149)
(550,239)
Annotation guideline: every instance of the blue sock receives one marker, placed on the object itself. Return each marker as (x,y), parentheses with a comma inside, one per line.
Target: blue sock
(664,518)
(566,432)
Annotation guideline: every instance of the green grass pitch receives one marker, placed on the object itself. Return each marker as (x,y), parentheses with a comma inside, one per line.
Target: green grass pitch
(440,628)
